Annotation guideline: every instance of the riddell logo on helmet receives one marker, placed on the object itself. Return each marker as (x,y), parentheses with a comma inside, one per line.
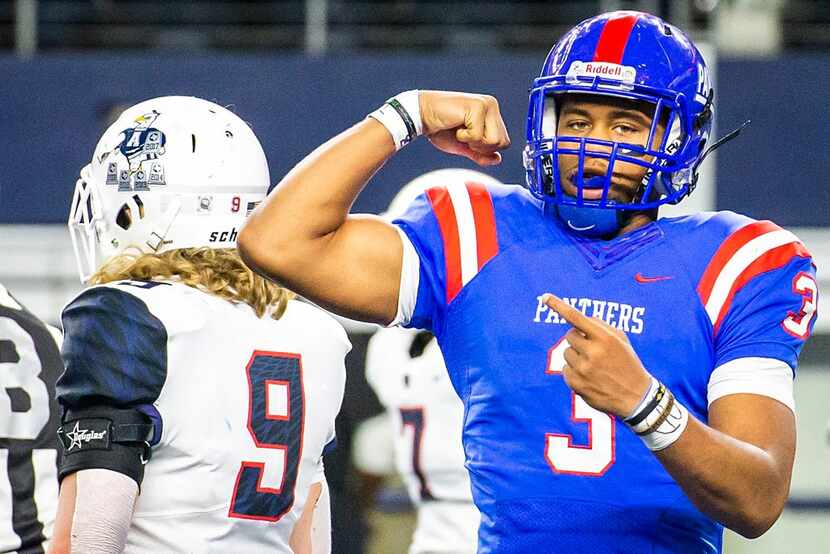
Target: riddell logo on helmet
(624,73)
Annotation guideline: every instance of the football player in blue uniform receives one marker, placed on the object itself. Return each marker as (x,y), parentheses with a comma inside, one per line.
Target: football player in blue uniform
(644,404)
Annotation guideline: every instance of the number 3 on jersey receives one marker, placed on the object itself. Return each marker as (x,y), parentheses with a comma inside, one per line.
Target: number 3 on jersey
(593,459)
(798,324)
(264,489)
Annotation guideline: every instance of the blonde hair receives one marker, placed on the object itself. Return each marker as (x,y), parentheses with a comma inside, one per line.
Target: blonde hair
(219,271)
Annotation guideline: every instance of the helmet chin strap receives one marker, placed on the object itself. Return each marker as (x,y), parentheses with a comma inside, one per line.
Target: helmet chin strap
(590,222)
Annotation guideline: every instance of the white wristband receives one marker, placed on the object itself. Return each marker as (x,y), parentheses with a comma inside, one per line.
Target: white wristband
(664,422)
(401,115)
(667,432)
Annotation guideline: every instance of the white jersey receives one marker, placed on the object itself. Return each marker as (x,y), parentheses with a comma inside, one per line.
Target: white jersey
(245,408)
(407,372)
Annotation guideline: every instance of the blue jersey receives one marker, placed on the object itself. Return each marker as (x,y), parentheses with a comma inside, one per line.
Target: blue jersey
(693,294)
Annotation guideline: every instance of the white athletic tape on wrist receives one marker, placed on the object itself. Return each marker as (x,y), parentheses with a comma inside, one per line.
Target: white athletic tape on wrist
(664,422)
(401,115)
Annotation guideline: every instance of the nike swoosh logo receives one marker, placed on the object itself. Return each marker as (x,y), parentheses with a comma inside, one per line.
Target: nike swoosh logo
(642,279)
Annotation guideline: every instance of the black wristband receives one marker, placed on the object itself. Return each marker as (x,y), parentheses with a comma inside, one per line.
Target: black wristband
(652,404)
(411,130)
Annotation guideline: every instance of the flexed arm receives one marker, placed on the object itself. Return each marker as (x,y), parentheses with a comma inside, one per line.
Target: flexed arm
(303,236)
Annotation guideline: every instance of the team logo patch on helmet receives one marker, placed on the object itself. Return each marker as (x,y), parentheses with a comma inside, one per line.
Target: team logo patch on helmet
(139,144)
(143,142)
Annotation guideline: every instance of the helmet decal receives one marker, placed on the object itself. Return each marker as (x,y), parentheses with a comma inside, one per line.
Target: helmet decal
(140,143)
(623,73)
(614,38)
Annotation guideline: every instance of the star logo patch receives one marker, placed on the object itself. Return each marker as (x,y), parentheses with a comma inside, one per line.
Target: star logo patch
(87,438)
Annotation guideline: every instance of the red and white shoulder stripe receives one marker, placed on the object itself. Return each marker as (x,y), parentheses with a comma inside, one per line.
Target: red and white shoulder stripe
(751,250)
(468,229)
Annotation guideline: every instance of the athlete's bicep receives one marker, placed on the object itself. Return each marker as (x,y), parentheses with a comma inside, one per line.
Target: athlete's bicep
(758,420)
(368,253)
(355,271)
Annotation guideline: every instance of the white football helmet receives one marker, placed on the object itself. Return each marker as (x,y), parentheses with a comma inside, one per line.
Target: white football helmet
(171,172)
(439,177)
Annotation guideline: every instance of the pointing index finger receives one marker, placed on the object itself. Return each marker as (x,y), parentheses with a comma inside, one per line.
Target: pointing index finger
(580,321)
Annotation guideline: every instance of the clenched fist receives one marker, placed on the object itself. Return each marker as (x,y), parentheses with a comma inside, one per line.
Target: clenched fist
(468,125)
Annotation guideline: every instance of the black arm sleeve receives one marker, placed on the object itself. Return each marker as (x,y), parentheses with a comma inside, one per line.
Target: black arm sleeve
(104,438)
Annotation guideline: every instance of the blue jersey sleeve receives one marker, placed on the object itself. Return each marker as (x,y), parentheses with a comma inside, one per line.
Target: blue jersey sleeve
(115,353)
(454,233)
(421,226)
(770,316)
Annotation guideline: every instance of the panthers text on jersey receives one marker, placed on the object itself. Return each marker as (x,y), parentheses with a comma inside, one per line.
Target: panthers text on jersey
(30,364)
(706,301)
(243,408)
(406,370)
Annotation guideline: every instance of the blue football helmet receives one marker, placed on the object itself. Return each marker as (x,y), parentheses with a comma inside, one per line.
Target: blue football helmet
(630,55)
